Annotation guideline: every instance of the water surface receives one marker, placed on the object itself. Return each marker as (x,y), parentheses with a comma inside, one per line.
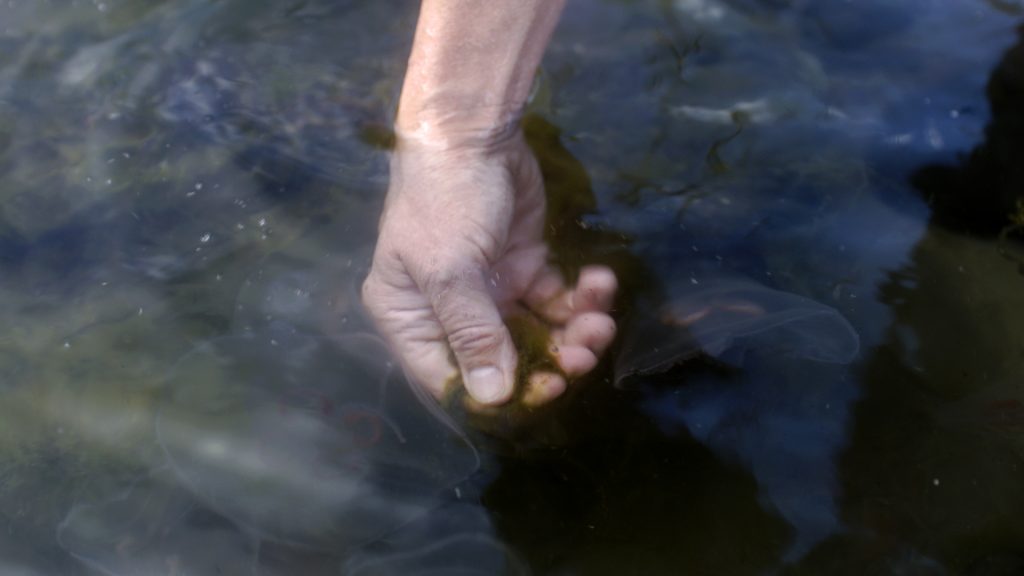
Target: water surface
(823,336)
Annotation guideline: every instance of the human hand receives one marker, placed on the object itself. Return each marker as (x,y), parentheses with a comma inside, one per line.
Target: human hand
(460,249)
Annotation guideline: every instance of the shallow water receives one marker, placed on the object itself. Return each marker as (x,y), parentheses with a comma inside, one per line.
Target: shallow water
(822,328)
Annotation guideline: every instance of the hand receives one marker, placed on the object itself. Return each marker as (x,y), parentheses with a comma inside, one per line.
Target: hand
(460,248)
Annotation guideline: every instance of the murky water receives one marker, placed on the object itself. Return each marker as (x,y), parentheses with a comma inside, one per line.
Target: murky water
(813,207)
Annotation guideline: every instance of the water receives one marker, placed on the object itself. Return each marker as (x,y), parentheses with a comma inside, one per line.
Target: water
(822,332)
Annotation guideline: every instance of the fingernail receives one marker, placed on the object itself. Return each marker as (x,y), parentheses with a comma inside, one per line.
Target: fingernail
(486,384)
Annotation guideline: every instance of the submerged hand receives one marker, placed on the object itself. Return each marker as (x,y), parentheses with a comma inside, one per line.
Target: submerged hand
(460,248)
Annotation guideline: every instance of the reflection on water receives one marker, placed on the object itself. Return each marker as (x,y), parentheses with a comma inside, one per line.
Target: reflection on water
(819,368)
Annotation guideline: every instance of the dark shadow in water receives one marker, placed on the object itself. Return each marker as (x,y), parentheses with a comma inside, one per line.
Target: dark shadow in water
(574,243)
(716,435)
(932,479)
(984,195)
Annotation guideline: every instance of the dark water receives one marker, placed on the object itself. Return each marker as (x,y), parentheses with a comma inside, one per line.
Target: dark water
(814,208)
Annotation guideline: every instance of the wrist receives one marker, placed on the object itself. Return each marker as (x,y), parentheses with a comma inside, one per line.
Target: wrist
(471,69)
(457,125)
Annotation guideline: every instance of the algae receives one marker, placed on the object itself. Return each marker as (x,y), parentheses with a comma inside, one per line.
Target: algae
(532,339)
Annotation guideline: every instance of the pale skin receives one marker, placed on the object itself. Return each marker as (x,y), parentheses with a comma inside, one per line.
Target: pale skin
(461,243)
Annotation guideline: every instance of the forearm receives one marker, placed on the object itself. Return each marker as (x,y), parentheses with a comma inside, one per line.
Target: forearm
(472,66)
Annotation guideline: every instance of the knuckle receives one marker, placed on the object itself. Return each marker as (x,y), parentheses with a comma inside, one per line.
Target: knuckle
(447,279)
(443,277)
(475,340)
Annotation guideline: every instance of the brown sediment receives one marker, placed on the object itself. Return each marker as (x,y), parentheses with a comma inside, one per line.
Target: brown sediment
(532,339)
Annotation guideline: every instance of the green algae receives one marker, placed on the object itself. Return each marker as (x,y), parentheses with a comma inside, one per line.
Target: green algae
(532,339)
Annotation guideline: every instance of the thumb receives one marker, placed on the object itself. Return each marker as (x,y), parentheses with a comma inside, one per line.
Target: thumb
(477,334)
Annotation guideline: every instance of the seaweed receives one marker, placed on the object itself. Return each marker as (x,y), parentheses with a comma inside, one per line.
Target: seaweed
(532,339)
